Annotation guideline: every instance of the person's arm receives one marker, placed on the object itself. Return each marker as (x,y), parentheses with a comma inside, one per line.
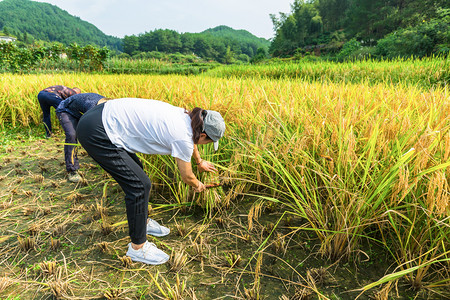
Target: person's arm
(202,165)
(188,176)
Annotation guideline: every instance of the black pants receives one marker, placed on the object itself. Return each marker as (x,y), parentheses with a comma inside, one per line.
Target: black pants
(123,166)
(46,101)
(69,123)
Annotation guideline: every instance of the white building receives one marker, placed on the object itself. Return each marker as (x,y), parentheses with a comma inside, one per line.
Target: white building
(7,39)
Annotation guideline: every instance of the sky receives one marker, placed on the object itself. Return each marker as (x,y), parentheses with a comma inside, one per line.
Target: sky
(132,17)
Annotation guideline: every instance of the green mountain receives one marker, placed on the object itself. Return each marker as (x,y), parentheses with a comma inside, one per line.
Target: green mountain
(29,20)
(42,21)
(222,44)
(240,35)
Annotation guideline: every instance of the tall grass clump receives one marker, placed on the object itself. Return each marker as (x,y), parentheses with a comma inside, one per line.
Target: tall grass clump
(359,162)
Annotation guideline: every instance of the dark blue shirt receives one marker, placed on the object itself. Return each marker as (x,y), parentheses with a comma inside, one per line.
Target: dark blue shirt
(77,105)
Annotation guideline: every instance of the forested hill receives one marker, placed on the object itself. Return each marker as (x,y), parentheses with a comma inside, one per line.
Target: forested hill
(29,20)
(399,28)
(222,43)
(240,35)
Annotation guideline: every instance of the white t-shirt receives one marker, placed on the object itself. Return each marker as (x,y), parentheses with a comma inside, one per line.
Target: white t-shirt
(149,126)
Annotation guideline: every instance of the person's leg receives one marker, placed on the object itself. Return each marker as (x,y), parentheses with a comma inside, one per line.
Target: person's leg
(136,159)
(46,101)
(45,112)
(153,227)
(127,170)
(69,123)
(122,166)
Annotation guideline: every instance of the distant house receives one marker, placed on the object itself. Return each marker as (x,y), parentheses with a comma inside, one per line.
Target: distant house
(7,39)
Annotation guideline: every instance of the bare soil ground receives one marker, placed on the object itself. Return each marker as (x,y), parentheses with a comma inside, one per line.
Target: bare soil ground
(67,241)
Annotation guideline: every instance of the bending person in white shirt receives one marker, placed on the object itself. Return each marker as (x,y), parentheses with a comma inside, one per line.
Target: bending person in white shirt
(113,132)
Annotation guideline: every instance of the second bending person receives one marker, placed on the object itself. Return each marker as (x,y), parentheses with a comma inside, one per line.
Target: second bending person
(69,112)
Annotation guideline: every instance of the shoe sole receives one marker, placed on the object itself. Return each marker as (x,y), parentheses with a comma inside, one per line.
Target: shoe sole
(146,262)
(158,234)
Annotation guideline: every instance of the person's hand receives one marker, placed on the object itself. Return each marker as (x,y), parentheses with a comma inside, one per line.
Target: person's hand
(206,166)
(200,188)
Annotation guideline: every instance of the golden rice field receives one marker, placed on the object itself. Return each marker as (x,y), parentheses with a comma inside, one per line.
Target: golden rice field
(351,174)
(426,72)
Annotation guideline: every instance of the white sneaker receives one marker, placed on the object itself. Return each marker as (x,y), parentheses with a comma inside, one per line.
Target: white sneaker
(74,177)
(148,254)
(155,229)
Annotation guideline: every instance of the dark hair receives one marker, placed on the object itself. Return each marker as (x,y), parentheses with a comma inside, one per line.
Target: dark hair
(197,115)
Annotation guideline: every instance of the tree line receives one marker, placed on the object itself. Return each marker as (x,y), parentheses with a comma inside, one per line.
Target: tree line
(14,58)
(216,46)
(385,28)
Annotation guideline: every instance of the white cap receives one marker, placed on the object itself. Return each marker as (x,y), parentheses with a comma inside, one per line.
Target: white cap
(214,126)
